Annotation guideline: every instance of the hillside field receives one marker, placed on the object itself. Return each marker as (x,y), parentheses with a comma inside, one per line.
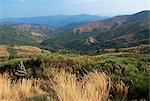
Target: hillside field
(126,68)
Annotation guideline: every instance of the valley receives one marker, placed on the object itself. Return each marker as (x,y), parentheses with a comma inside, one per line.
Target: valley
(60,58)
(116,32)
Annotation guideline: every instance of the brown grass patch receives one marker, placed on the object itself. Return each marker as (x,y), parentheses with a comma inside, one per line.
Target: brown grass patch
(3,51)
(93,87)
(15,91)
(27,50)
(136,49)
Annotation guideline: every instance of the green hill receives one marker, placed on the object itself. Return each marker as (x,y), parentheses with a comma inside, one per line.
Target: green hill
(24,33)
(116,32)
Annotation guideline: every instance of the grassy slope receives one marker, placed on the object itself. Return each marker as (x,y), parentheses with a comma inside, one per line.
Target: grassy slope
(132,68)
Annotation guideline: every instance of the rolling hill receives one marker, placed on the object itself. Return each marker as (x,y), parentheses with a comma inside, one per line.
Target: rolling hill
(134,30)
(25,33)
(115,32)
(72,33)
(56,21)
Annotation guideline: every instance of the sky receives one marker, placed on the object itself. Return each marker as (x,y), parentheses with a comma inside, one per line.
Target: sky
(31,8)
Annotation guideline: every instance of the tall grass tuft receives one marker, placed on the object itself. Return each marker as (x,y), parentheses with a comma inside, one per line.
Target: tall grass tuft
(93,87)
(15,91)
(121,91)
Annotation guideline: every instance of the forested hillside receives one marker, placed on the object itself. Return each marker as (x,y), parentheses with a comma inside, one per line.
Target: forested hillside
(116,32)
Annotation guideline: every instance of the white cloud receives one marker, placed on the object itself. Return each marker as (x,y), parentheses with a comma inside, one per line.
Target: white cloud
(82,1)
(22,0)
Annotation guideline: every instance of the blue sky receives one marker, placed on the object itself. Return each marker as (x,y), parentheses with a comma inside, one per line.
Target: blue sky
(27,8)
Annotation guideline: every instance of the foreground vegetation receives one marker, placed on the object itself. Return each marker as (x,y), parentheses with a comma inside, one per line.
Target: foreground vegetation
(127,74)
(95,86)
(16,90)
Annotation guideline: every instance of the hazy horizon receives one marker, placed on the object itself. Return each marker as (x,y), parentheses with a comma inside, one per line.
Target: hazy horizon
(34,8)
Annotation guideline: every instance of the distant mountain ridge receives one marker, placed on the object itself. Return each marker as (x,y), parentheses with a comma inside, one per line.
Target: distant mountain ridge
(102,25)
(115,32)
(56,21)
(76,35)
(106,24)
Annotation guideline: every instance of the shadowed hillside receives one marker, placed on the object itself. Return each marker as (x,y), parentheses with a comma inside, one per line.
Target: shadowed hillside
(115,32)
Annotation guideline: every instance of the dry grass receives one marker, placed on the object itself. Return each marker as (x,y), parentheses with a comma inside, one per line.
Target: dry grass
(15,91)
(3,51)
(20,50)
(121,91)
(136,49)
(93,87)
(27,50)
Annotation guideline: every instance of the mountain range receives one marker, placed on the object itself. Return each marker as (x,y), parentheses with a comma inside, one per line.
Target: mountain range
(56,21)
(79,33)
(115,32)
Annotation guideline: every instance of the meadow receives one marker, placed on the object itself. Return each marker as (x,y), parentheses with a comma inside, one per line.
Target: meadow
(46,76)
